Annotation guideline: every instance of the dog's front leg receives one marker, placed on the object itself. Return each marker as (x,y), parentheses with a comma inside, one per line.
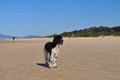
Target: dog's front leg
(53,58)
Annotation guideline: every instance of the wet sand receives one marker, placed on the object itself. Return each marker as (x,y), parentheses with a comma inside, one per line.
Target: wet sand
(79,59)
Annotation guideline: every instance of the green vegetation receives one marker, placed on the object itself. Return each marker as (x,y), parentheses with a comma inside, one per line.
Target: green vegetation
(94,32)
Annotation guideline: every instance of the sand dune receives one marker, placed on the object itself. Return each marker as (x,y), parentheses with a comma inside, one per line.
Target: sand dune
(79,59)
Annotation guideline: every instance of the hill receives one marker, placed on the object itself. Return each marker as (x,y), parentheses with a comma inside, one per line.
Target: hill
(2,36)
(32,36)
(94,32)
(5,36)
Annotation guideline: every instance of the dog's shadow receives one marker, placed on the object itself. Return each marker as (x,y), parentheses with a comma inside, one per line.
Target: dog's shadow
(42,64)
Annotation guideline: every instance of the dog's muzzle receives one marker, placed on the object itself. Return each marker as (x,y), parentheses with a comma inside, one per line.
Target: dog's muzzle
(61,42)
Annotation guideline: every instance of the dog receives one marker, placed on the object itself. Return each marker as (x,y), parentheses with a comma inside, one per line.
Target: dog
(51,50)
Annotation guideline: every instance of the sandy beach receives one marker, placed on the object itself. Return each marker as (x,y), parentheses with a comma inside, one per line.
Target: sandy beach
(79,59)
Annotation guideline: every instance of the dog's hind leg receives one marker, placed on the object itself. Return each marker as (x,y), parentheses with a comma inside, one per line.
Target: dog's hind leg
(46,55)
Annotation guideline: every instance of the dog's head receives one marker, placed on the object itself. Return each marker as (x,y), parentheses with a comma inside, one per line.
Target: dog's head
(58,39)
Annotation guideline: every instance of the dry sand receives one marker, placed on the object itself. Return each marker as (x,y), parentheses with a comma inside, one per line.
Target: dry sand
(79,59)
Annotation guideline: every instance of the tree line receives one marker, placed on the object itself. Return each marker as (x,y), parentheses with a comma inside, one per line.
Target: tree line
(94,32)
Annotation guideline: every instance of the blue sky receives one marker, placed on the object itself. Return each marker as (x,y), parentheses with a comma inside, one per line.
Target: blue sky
(46,17)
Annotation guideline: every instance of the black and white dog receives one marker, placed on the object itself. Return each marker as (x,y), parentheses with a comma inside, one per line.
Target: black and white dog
(51,50)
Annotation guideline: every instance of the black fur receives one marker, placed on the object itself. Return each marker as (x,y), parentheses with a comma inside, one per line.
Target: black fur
(58,39)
